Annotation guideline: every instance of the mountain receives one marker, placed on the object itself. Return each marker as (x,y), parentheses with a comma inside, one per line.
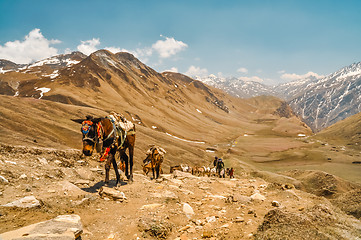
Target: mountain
(346,132)
(13,77)
(293,89)
(328,100)
(7,66)
(170,109)
(320,102)
(238,87)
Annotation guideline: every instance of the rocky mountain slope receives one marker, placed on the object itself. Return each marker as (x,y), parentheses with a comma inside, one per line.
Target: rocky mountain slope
(345,132)
(320,102)
(238,87)
(330,99)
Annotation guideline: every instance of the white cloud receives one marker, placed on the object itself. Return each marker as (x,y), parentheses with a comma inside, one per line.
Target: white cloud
(168,47)
(89,46)
(67,51)
(294,76)
(165,48)
(242,70)
(251,79)
(173,69)
(281,72)
(34,47)
(114,49)
(196,71)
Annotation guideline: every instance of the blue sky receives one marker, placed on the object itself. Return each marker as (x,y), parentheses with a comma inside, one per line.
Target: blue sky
(267,41)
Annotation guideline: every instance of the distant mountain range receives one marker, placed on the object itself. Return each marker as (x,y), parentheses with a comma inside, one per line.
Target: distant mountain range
(320,102)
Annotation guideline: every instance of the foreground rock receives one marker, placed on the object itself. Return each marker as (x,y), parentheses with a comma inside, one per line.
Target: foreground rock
(112,194)
(317,222)
(26,202)
(64,227)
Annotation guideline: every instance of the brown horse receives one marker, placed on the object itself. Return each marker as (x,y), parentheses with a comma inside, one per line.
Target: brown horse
(102,134)
(155,156)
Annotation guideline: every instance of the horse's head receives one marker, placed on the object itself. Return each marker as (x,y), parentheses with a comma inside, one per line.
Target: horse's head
(89,131)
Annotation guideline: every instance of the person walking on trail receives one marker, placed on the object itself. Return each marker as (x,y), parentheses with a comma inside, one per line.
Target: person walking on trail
(231,172)
(215,161)
(220,167)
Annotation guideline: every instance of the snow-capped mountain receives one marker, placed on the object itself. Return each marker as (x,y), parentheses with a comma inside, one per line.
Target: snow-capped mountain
(321,102)
(331,99)
(237,87)
(52,63)
(291,90)
(7,66)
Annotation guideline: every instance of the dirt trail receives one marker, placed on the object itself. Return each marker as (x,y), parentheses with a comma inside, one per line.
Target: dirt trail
(176,206)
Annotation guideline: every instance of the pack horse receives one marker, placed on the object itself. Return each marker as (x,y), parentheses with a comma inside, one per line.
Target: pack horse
(108,136)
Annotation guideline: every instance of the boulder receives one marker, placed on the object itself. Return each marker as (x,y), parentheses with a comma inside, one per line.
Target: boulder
(112,194)
(70,189)
(188,210)
(275,204)
(26,202)
(65,227)
(258,197)
(241,199)
(165,194)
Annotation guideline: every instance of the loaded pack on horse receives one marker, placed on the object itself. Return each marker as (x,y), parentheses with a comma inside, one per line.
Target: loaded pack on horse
(109,135)
(155,156)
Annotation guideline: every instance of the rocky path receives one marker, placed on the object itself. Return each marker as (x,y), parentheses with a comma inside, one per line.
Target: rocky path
(176,206)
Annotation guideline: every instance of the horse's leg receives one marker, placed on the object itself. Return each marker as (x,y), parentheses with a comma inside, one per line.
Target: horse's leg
(107,168)
(115,166)
(153,166)
(124,156)
(131,154)
(157,171)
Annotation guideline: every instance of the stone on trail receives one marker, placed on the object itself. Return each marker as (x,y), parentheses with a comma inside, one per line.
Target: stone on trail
(26,202)
(23,176)
(188,210)
(241,198)
(43,161)
(151,206)
(111,193)
(238,219)
(258,197)
(82,182)
(64,227)
(275,204)
(70,189)
(3,179)
(165,194)
(180,174)
(211,219)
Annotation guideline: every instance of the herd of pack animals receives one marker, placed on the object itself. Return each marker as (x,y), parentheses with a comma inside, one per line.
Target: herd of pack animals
(114,134)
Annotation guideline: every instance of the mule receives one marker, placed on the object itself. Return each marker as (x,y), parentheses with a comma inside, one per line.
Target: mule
(147,168)
(155,156)
(100,134)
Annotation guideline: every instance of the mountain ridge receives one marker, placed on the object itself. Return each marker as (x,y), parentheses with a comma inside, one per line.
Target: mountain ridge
(320,102)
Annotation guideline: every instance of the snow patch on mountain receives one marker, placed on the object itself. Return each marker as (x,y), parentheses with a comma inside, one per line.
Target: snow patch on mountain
(42,91)
(237,87)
